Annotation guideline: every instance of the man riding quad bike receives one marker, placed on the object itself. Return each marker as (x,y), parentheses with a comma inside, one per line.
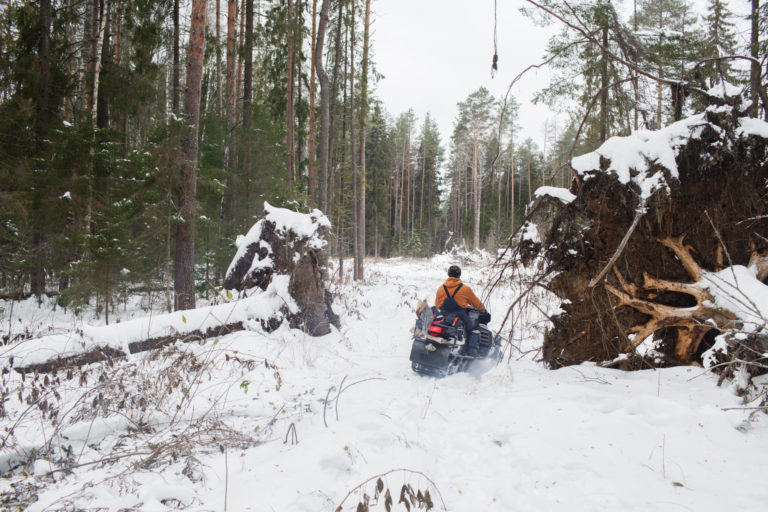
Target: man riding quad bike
(452,334)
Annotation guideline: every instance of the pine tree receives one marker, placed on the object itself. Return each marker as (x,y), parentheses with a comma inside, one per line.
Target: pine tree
(586,71)
(184,261)
(720,41)
(475,115)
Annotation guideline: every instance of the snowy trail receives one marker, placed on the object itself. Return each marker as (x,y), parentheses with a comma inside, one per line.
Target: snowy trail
(519,437)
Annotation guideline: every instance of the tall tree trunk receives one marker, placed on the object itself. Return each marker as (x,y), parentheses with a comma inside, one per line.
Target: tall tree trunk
(118,33)
(311,160)
(476,191)
(102,105)
(247,99)
(333,102)
(99,22)
(103,20)
(511,185)
(248,66)
(530,186)
(219,96)
(184,282)
(661,73)
(231,56)
(232,185)
(239,66)
(754,47)
(290,145)
(604,88)
(93,37)
(402,192)
(408,189)
(37,280)
(635,85)
(353,150)
(175,88)
(325,100)
(44,77)
(421,194)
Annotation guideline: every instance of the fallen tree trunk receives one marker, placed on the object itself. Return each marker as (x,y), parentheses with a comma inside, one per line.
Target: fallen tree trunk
(280,268)
(108,353)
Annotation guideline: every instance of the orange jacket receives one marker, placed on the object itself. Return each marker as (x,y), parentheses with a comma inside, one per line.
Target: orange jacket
(465,296)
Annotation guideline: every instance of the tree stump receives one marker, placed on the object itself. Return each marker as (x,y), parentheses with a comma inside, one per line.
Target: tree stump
(291,244)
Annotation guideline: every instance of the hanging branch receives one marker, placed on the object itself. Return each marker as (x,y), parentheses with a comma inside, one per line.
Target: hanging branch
(512,84)
(592,39)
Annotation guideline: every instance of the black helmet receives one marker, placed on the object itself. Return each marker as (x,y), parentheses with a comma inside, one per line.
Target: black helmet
(454,271)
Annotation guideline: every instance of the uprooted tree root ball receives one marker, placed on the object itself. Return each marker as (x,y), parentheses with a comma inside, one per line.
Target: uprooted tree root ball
(657,258)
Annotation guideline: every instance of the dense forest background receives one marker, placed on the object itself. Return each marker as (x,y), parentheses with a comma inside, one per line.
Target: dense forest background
(139,138)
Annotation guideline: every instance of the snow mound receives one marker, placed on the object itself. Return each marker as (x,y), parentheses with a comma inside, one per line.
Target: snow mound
(563,194)
(633,158)
(724,90)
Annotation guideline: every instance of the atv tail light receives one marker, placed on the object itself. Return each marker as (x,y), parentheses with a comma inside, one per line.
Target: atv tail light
(435,330)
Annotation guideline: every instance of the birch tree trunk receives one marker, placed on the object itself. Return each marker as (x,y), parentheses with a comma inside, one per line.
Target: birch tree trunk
(93,36)
(103,19)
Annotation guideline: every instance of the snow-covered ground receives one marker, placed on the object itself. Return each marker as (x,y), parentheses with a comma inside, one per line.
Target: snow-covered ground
(257,422)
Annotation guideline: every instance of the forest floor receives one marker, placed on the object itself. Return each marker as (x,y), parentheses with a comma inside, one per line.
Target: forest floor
(283,438)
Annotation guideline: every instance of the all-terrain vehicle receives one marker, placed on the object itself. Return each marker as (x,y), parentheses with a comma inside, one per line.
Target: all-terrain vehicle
(438,344)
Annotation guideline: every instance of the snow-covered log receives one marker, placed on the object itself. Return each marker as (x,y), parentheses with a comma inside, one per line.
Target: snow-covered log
(661,255)
(89,343)
(281,266)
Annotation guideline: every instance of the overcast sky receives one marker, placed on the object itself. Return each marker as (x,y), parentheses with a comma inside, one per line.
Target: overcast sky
(434,53)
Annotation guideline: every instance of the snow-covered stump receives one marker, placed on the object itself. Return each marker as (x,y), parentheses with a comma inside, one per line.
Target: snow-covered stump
(659,256)
(291,244)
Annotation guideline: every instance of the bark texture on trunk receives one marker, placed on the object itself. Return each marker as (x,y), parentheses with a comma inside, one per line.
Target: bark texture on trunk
(312,72)
(219,96)
(476,193)
(754,46)
(290,144)
(175,88)
(325,101)
(184,261)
